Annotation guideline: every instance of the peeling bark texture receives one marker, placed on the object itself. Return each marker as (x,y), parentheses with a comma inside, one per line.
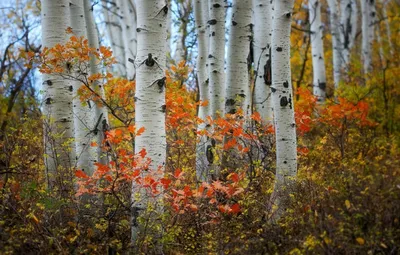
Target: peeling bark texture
(348,27)
(127,12)
(114,34)
(336,43)
(200,8)
(317,50)
(150,103)
(100,112)
(282,100)
(83,111)
(237,78)
(367,30)
(57,96)
(216,56)
(263,10)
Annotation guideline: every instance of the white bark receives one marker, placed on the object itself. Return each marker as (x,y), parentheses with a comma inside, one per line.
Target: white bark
(263,10)
(216,56)
(387,25)
(150,90)
(127,12)
(282,98)
(114,34)
(100,112)
(200,9)
(57,94)
(237,78)
(83,111)
(367,29)
(317,50)
(348,26)
(180,38)
(336,43)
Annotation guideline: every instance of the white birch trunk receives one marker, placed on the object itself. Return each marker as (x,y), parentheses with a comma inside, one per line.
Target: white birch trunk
(100,112)
(150,93)
(367,30)
(263,11)
(387,25)
(200,9)
(180,38)
(216,56)
(114,34)
(83,111)
(348,26)
(317,50)
(127,22)
(336,43)
(57,96)
(237,78)
(282,99)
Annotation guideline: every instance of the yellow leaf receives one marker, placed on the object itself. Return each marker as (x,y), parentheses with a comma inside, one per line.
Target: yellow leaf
(360,241)
(348,204)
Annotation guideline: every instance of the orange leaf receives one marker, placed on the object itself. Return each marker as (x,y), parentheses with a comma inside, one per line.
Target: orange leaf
(81,174)
(177,173)
(235,208)
(143,153)
(140,131)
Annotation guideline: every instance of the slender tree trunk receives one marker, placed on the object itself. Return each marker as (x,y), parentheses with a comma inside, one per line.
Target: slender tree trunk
(263,10)
(57,98)
(150,94)
(348,27)
(200,9)
(127,12)
(216,57)
(336,43)
(237,79)
(114,34)
(367,27)
(83,111)
(100,112)
(282,101)
(317,50)
(183,12)
(387,25)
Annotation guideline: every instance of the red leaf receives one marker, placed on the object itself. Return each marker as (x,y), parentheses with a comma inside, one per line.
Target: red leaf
(235,208)
(140,131)
(177,173)
(234,177)
(165,182)
(81,174)
(143,153)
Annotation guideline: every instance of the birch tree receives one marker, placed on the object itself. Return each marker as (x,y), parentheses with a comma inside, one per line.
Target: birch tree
(57,95)
(367,30)
(200,9)
(317,50)
(114,34)
(336,43)
(83,111)
(127,21)
(100,111)
(237,79)
(263,10)
(348,26)
(150,93)
(282,98)
(216,56)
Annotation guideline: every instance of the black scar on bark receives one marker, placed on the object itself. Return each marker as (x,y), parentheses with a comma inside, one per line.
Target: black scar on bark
(48,100)
(284,101)
(234,23)
(212,22)
(216,5)
(230,102)
(286,84)
(209,154)
(71,88)
(273,90)
(49,82)
(322,85)
(279,49)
